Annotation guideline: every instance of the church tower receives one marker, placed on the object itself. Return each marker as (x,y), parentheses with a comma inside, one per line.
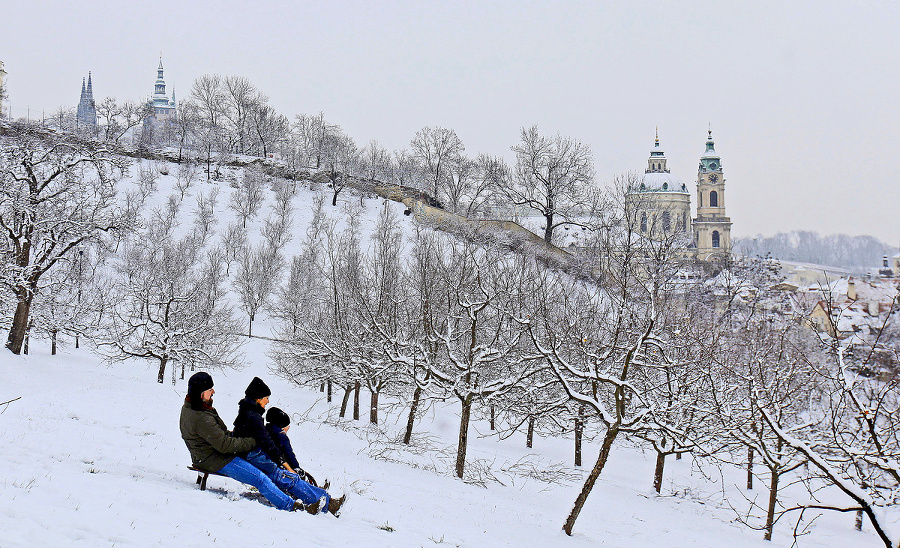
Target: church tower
(86,114)
(658,203)
(712,228)
(163,109)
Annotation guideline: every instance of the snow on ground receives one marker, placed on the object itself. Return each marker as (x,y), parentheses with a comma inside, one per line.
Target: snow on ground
(91,456)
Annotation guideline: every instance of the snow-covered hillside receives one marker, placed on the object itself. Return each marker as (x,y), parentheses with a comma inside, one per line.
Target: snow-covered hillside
(91,455)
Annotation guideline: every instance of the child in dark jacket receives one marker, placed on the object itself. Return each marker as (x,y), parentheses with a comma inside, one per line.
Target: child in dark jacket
(267,456)
(277,424)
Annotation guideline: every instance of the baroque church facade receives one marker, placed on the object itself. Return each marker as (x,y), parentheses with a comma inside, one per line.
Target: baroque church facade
(660,204)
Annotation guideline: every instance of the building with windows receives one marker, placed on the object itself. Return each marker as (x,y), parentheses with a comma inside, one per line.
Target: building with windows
(162,108)
(660,204)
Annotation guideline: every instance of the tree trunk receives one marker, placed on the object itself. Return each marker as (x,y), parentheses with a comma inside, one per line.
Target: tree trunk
(493,421)
(529,438)
(773,501)
(407,437)
(463,436)
(356,401)
(76,340)
(750,468)
(329,390)
(162,370)
(658,474)
(859,513)
(373,408)
(25,345)
(250,328)
(53,342)
(579,427)
(19,327)
(592,478)
(322,387)
(346,399)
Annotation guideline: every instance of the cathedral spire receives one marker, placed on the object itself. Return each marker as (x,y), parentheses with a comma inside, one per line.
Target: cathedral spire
(86,113)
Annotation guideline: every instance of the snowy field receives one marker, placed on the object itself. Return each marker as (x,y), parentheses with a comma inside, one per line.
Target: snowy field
(90,455)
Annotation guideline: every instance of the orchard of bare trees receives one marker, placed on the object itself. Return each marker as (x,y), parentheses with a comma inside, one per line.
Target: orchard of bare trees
(636,343)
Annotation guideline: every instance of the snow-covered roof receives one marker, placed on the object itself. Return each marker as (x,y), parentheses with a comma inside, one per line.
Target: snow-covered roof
(661,182)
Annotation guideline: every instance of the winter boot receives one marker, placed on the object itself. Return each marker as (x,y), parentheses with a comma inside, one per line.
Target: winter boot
(315,507)
(298,505)
(334,506)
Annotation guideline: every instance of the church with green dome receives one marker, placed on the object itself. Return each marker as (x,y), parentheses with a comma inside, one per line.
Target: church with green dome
(660,204)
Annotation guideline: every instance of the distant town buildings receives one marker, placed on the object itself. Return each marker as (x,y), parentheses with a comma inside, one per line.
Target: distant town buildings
(660,203)
(86,113)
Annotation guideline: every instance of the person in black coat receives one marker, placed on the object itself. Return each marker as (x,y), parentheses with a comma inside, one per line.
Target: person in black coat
(267,457)
(249,422)
(277,424)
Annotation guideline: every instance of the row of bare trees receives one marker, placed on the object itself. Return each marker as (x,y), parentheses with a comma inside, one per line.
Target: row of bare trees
(713,368)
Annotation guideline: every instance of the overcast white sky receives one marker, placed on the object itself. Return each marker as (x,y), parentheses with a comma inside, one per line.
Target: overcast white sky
(801,96)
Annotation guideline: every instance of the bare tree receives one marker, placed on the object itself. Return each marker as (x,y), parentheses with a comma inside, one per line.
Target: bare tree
(116,120)
(269,128)
(241,99)
(553,176)
(247,198)
(341,160)
(259,268)
(169,303)
(55,193)
(436,149)
(375,163)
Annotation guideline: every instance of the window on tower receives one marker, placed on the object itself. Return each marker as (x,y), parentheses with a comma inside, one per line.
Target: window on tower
(715,239)
(643,222)
(666,221)
(713,199)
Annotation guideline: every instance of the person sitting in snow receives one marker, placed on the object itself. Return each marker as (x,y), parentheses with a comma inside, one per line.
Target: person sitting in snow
(267,457)
(214,449)
(277,424)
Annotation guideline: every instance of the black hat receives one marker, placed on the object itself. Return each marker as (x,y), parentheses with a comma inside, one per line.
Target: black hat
(199,382)
(278,417)
(257,390)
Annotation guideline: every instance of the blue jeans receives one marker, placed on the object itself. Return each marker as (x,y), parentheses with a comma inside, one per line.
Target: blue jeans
(245,472)
(286,481)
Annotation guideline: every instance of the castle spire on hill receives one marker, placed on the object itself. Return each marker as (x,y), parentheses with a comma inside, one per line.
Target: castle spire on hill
(86,114)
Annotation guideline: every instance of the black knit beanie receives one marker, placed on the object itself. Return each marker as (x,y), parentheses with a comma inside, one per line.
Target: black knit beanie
(278,417)
(257,390)
(198,383)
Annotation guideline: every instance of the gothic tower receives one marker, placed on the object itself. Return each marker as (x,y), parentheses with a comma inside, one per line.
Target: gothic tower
(712,228)
(86,114)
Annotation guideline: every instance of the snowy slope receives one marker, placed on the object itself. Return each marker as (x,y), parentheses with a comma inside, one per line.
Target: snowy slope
(91,456)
